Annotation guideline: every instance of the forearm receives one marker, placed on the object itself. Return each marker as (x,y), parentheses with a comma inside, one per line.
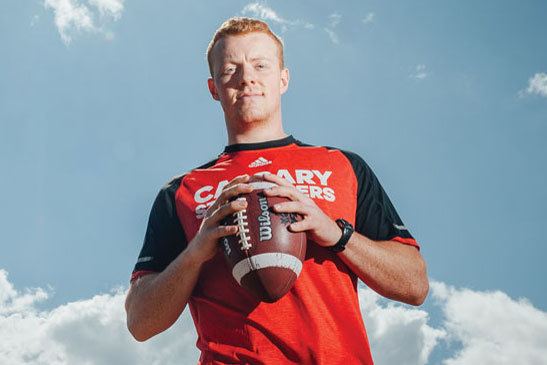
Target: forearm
(156,301)
(394,270)
(154,304)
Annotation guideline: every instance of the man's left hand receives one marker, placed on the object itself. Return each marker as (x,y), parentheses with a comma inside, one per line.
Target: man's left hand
(319,227)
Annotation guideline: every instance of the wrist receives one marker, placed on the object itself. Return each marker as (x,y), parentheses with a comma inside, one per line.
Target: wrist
(346,232)
(194,253)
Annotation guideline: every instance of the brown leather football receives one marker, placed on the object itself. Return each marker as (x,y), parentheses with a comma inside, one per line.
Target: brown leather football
(264,256)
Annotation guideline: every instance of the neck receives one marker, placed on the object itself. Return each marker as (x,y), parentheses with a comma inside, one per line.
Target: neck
(254,132)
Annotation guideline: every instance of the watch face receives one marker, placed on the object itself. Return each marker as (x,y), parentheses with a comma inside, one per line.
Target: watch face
(342,223)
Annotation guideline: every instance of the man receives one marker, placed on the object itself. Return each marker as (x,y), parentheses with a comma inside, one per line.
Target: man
(319,320)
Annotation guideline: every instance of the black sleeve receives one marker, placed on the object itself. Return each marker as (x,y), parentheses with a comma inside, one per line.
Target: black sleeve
(165,237)
(376,218)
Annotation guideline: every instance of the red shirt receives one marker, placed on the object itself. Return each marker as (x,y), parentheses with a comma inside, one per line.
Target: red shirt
(319,320)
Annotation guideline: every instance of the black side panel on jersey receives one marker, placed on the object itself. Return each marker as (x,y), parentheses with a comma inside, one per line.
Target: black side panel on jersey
(376,218)
(165,238)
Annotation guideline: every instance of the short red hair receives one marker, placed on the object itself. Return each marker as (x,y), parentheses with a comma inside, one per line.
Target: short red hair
(243,25)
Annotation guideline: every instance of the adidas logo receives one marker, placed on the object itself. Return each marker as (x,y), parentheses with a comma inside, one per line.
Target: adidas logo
(261,161)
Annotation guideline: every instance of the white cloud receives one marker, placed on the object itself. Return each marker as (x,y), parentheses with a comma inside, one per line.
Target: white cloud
(112,8)
(34,20)
(91,332)
(72,17)
(537,84)
(262,11)
(12,301)
(333,36)
(398,334)
(420,72)
(369,18)
(490,327)
(334,20)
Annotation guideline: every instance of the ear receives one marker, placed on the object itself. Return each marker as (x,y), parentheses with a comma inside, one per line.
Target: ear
(284,80)
(212,88)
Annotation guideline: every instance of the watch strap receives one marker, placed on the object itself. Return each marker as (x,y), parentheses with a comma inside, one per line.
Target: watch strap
(347,231)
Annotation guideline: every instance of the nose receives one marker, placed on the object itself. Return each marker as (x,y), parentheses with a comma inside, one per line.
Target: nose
(247,74)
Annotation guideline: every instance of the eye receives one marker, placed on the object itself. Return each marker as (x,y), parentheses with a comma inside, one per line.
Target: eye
(261,66)
(229,70)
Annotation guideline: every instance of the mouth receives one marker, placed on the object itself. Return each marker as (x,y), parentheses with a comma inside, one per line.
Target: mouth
(249,95)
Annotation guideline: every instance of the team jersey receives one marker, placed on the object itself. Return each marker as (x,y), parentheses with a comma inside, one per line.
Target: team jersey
(319,320)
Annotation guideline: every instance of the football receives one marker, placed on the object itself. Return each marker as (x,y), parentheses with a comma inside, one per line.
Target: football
(264,256)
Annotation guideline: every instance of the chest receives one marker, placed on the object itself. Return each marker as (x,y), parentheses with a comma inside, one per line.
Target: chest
(326,177)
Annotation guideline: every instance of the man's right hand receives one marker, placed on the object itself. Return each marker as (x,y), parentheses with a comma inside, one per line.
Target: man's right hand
(204,245)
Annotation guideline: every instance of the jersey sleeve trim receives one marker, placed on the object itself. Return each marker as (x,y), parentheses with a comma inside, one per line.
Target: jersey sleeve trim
(140,273)
(407,241)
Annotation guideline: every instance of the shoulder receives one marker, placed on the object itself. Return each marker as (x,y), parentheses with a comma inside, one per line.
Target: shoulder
(356,161)
(354,158)
(174,182)
(208,164)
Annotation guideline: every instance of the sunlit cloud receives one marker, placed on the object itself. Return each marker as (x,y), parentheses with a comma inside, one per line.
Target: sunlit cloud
(34,20)
(398,333)
(369,18)
(487,327)
(420,72)
(491,327)
(332,35)
(537,85)
(264,12)
(108,8)
(333,21)
(90,331)
(73,17)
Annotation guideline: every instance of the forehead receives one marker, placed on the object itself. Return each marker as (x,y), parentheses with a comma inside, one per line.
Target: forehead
(250,45)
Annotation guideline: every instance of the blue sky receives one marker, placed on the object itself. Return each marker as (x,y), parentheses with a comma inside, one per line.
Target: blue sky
(103,101)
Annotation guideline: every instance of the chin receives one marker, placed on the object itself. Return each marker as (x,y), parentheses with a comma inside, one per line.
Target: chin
(249,117)
(252,119)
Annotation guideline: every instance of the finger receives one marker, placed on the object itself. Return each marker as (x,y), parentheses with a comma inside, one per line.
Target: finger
(300,226)
(222,231)
(239,183)
(276,179)
(233,191)
(241,179)
(291,207)
(287,191)
(238,179)
(227,209)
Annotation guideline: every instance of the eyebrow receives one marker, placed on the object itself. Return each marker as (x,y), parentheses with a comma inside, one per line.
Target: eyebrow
(259,58)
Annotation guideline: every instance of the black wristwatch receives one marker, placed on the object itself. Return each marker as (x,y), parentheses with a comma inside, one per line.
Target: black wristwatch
(347,230)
